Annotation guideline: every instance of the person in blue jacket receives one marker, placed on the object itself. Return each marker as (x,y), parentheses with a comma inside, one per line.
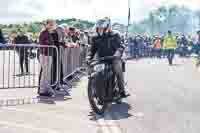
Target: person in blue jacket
(2,39)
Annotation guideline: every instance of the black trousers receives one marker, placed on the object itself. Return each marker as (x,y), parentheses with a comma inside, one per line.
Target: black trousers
(23,58)
(55,70)
(157,53)
(170,55)
(117,68)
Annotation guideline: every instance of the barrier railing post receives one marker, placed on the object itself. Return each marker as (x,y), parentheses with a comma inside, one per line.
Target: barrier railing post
(14,67)
(3,68)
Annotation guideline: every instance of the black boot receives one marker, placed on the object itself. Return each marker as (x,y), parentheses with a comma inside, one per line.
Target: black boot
(124,94)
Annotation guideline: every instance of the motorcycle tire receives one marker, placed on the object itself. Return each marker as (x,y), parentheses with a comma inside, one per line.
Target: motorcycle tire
(92,102)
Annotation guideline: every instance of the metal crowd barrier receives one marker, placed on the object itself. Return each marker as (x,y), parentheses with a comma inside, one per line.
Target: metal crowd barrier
(33,65)
(21,65)
(72,60)
(67,61)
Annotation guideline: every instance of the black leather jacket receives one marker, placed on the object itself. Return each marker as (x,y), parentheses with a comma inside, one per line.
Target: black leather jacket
(106,45)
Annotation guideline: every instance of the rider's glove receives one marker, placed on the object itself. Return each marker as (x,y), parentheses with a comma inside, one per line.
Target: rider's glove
(88,60)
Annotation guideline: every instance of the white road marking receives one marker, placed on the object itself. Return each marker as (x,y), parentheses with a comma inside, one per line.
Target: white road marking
(138,114)
(107,126)
(114,127)
(103,126)
(100,121)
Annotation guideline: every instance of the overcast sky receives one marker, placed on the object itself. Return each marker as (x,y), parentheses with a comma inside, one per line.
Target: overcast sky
(17,11)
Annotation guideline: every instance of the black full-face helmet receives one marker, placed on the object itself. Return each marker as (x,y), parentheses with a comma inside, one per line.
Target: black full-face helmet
(103,25)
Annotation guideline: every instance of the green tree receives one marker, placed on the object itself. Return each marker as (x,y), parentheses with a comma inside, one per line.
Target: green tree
(198,16)
(177,19)
(78,25)
(152,22)
(34,28)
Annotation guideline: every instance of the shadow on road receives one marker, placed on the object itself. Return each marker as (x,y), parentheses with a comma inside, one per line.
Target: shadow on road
(176,65)
(116,112)
(62,98)
(119,111)
(20,75)
(46,101)
(52,100)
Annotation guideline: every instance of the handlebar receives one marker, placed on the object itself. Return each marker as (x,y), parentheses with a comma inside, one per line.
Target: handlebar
(107,58)
(95,61)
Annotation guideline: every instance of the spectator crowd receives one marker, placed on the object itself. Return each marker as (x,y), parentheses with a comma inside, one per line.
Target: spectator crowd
(50,43)
(153,46)
(64,36)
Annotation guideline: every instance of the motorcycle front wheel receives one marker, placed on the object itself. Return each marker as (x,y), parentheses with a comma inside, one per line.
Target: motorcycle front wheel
(98,105)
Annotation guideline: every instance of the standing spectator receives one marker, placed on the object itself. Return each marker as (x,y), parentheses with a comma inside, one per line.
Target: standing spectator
(46,59)
(123,39)
(83,48)
(88,37)
(197,43)
(138,46)
(157,47)
(76,38)
(170,45)
(73,35)
(142,46)
(197,38)
(22,50)
(58,37)
(2,39)
(163,51)
(131,46)
(184,45)
(55,58)
(190,42)
(145,45)
(135,48)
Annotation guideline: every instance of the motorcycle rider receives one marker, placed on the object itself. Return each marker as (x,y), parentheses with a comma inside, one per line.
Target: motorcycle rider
(107,43)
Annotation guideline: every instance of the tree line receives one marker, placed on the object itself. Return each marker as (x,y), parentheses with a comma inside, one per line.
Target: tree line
(35,27)
(175,18)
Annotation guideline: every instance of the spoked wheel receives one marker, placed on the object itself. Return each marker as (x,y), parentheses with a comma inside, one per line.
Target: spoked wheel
(97,105)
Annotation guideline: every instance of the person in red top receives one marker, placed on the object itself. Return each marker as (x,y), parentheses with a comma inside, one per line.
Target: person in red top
(45,58)
(157,47)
